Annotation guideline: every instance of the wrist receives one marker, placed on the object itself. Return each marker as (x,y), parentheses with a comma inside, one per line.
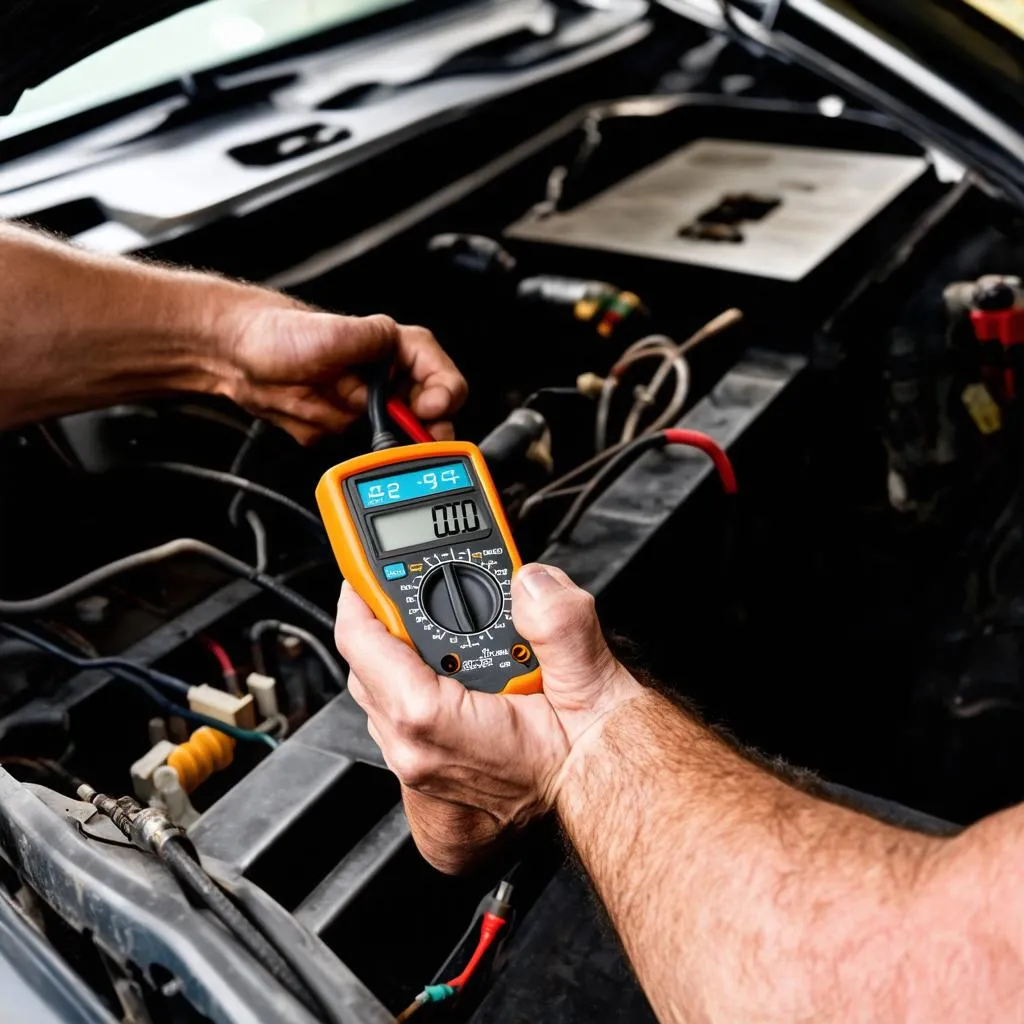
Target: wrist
(207,317)
(616,687)
(587,738)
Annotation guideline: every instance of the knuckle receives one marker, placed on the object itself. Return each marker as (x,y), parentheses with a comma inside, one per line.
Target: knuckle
(384,323)
(415,718)
(340,631)
(358,693)
(409,763)
(421,335)
(567,616)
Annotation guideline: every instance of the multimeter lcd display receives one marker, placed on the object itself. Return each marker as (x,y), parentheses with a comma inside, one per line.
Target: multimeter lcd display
(388,489)
(430,524)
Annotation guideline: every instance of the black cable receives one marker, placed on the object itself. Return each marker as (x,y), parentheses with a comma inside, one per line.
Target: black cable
(329,662)
(446,970)
(459,953)
(256,429)
(45,766)
(551,392)
(239,483)
(611,469)
(172,549)
(141,677)
(377,411)
(190,874)
(295,599)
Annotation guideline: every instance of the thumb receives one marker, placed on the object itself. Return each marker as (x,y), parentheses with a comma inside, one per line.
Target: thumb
(560,621)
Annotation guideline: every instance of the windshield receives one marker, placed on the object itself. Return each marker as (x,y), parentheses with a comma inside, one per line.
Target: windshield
(201,37)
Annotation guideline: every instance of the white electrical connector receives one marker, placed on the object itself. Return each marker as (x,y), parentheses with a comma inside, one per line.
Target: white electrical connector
(172,798)
(223,706)
(143,770)
(263,690)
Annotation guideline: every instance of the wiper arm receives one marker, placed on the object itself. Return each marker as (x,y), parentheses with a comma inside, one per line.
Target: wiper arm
(519,50)
(206,98)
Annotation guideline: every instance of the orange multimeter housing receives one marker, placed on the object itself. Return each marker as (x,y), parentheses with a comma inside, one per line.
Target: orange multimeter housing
(420,533)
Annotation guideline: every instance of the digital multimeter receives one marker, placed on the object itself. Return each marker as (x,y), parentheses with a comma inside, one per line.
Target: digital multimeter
(420,533)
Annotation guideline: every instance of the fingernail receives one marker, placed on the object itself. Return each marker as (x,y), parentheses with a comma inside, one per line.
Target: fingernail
(538,581)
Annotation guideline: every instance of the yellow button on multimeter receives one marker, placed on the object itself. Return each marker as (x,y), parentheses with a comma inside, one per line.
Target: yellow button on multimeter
(420,533)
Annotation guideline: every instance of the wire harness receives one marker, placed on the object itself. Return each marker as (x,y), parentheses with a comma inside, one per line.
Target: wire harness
(497,910)
(142,677)
(673,361)
(628,454)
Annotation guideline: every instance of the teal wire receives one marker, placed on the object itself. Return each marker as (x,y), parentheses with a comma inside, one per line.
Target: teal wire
(138,676)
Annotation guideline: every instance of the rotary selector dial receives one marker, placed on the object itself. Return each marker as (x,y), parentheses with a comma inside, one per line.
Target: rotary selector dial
(460,597)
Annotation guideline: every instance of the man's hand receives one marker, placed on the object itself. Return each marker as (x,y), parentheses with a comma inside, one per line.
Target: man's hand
(475,765)
(300,368)
(81,331)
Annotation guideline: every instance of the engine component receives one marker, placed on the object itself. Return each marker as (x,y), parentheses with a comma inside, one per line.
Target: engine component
(151,830)
(522,436)
(591,302)
(226,707)
(264,691)
(597,304)
(764,209)
(169,794)
(206,751)
(145,768)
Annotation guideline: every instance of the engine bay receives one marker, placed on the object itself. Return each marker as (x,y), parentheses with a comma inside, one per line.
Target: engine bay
(734,248)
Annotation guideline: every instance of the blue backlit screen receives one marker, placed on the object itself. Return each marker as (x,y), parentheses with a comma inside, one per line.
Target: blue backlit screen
(386,490)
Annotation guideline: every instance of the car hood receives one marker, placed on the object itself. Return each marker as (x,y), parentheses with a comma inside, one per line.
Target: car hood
(951,70)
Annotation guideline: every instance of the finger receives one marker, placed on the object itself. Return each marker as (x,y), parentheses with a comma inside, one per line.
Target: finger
(333,343)
(302,431)
(442,431)
(348,392)
(439,389)
(560,621)
(308,405)
(393,676)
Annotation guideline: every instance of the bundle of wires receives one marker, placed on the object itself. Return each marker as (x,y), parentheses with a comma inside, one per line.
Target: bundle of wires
(144,678)
(673,362)
(628,453)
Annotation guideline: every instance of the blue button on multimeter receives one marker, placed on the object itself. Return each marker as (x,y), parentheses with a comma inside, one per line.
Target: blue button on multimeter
(395,571)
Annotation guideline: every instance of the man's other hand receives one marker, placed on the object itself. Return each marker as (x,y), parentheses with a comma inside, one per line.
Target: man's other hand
(300,368)
(474,766)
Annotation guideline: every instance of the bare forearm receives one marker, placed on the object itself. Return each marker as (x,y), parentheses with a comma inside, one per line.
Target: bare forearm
(81,331)
(740,898)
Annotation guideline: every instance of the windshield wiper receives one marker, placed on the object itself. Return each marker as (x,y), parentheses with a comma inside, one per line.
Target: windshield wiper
(514,51)
(206,98)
